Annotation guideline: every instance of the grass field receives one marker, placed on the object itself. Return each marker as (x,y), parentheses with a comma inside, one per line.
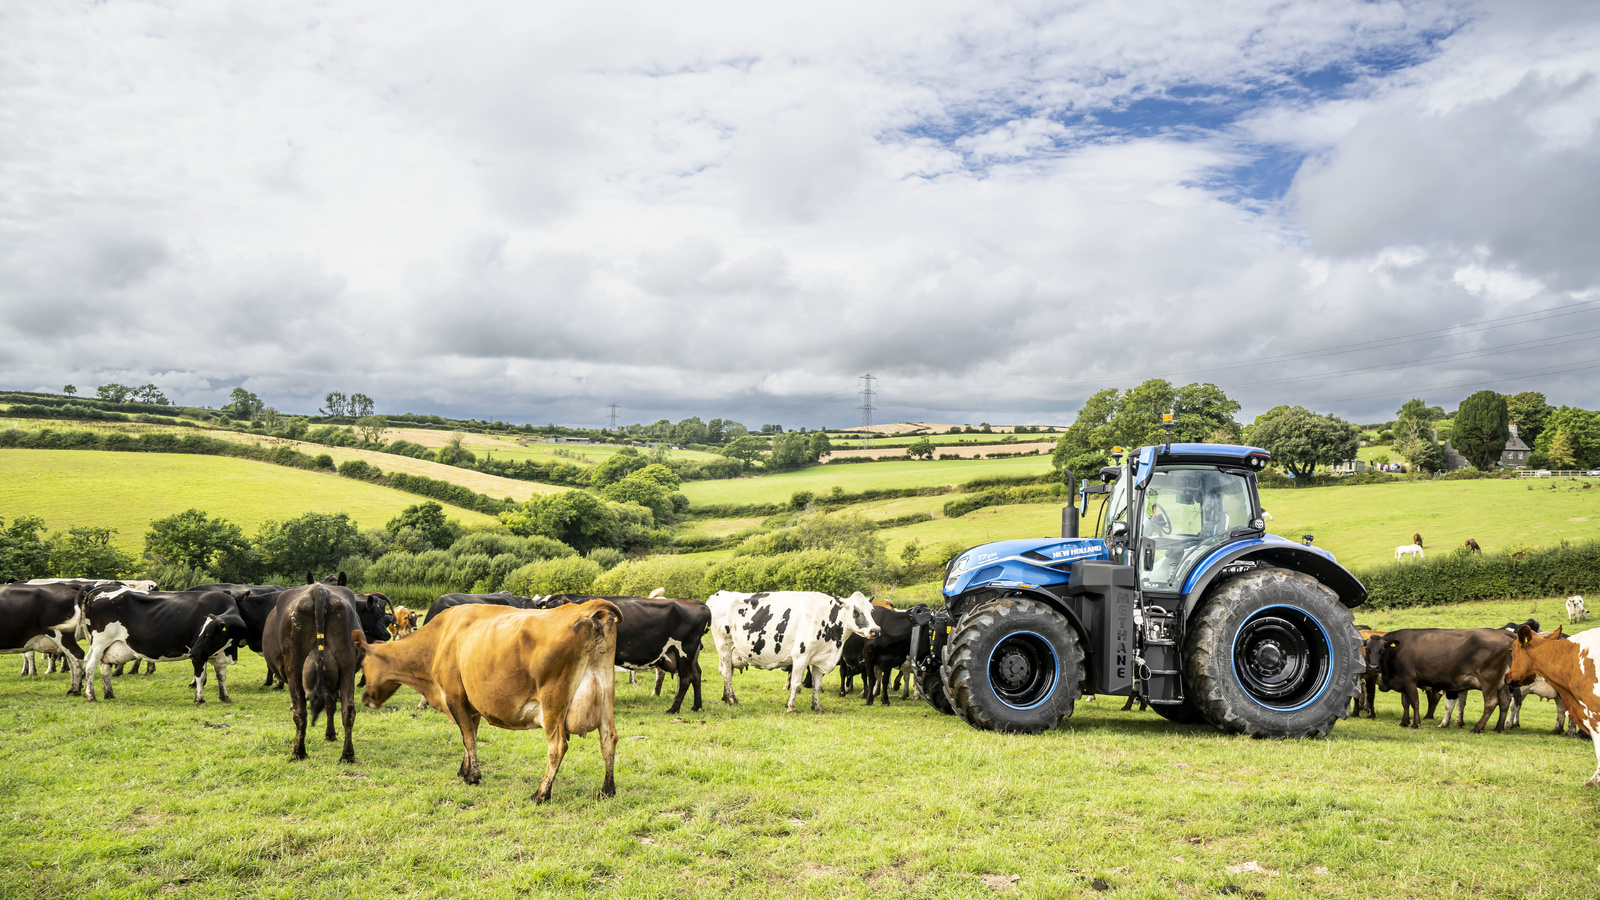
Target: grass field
(149,795)
(821,479)
(851,442)
(127,490)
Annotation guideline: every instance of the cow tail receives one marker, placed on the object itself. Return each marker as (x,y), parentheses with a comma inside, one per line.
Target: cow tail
(318,694)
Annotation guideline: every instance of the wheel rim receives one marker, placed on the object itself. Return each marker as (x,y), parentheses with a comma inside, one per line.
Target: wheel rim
(1281,656)
(1023,670)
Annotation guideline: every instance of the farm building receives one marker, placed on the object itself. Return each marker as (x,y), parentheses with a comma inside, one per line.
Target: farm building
(1516,453)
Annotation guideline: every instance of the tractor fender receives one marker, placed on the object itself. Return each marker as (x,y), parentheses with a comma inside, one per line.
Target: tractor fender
(1048,599)
(1275,551)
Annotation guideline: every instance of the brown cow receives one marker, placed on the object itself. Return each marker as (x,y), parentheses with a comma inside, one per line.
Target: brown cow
(1572,667)
(518,669)
(405,622)
(1448,659)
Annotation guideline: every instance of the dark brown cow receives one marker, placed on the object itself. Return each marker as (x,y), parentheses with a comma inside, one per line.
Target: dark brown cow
(518,669)
(309,638)
(1571,668)
(1447,659)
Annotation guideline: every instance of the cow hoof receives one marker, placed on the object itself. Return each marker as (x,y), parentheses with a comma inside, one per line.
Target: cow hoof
(539,799)
(348,758)
(225,699)
(298,755)
(606,792)
(198,701)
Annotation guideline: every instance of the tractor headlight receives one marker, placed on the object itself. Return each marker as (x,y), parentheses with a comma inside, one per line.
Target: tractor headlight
(962,564)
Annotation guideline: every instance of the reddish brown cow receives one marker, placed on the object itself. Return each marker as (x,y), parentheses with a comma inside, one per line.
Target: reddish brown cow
(405,622)
(1447,659)
(1571,668)
(517,668)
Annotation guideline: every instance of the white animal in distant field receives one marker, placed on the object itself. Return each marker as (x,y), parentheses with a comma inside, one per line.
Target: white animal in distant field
(1405,550)
(1575,609)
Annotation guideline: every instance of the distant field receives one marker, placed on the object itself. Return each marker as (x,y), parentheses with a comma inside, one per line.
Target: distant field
(859,477)
(852,441)
(127,490)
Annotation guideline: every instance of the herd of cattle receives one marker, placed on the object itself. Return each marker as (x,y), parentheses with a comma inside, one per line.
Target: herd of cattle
(549,662)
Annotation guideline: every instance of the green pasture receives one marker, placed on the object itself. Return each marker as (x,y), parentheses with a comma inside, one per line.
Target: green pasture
(853,442)
(126,491)
(149,795)
(579,454)
(778,487)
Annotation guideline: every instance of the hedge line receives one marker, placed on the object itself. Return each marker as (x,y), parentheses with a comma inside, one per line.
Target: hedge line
(959,507)
(1461,575)
(204,445)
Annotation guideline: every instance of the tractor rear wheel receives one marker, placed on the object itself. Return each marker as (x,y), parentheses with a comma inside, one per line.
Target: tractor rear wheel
(1014,665)
(1272,653)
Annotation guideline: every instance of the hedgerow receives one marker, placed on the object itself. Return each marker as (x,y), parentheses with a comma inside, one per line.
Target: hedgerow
(1462,575)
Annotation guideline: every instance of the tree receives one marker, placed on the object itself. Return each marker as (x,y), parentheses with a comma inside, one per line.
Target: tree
(87,552)
(1581,431)
(921,448)
(747,449)
(314,542)
(621,464)
(645,491)
(360,406)
(1560,452)
(1300,440)
(1480,431)
(371,428)
(576,518)
(820,446)
(69,390)
(243,404)
(1529,410)
(429,522)
(23,552)
(790,450)
(335,404)
(148,393)
(113,392)
(1203,412)
(193,539)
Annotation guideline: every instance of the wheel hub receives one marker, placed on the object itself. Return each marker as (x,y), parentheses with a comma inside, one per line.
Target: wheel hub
(1281,657)
(1022,670)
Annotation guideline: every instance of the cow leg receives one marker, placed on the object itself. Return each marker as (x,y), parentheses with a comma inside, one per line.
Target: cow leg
(683,687)
(883,681)
(816,692)
(1491,700)
(608,737)
(555,736)
(1408,706)
(199,679)
(1433,702)
(297,705)
(797,675)
(725,664)
(1450,703)
(98,644)
(221,668)
(1372,697)
(347,696)
(28,666)
(661,676)
(149,666)
(467,720)
(694,675)
(903,680)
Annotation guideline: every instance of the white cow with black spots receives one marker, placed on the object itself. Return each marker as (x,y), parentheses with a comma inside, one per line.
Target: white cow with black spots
(797,630)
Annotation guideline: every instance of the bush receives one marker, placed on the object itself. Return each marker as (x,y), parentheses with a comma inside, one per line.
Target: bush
(606,557)
(808,570)
(1561,570)
(323,460)
(568,575)
(682,578)
(359,469)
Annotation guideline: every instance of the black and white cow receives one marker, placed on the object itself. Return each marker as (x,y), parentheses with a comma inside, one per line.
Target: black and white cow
(803,631)
(42,618)
(254,609)
(658,632)
(200,626)
(887,652)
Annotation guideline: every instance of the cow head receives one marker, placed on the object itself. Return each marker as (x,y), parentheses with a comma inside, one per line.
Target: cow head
(858,616)
(381,680)
(1527,653)
(375,617)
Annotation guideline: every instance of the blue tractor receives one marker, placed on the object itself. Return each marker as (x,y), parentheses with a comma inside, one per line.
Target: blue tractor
(1181,600)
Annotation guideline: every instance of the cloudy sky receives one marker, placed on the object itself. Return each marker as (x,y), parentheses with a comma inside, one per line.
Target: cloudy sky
(530,211)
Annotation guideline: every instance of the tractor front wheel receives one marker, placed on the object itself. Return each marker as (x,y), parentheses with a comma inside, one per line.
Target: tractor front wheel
(1014,665)
(1272,653)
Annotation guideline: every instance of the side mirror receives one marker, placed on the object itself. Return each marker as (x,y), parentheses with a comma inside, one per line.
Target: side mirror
(1119,530)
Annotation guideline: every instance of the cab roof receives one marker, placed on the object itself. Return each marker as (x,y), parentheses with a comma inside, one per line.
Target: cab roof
(1204,454)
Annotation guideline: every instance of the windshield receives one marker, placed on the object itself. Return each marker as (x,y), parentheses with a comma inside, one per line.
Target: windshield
(1187,512)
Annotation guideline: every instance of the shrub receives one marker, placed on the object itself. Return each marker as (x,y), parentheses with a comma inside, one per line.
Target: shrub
(359,469)
(323,460)
(1516,572)
(568,575)
(606,557)
(680,577)
(807,570)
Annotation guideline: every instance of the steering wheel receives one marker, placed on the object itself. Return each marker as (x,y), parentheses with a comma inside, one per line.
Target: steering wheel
(1158,522)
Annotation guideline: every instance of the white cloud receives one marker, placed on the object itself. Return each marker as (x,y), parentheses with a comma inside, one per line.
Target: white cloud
(534,211)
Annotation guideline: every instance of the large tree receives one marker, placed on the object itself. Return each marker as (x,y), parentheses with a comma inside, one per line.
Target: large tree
(193,539)
(1480,432)
(314,542)
(87,552)
(1132,418)
(1529,410)
(1300,440)
(1580,438)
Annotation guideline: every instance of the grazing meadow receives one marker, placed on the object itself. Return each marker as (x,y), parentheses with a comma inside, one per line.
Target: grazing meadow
(151,795)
